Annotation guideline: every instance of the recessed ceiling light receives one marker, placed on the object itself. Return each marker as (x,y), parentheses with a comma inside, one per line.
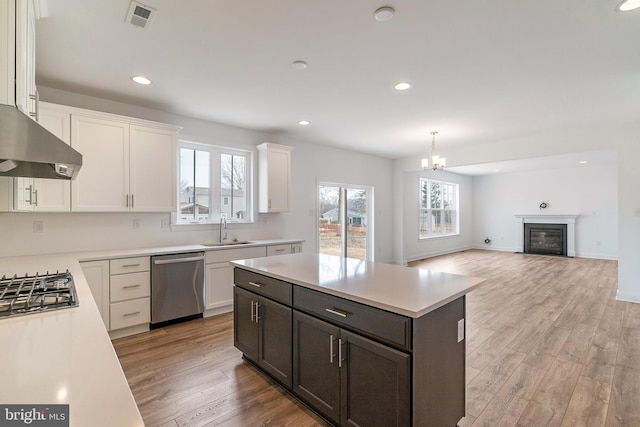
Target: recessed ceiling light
(496,170)
(583,162)
(141,80)
(385,13)
(628,5)
(402,86)
(304,122)
(299,65)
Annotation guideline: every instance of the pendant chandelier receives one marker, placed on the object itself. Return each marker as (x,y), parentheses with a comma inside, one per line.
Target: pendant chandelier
(437,162)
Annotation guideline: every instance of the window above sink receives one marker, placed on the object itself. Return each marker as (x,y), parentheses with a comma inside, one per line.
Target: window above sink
(213,182)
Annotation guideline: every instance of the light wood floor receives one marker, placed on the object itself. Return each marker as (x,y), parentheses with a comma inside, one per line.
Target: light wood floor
(547,345)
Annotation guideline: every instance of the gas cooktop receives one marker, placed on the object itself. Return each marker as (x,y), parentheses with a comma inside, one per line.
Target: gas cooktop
(35,294)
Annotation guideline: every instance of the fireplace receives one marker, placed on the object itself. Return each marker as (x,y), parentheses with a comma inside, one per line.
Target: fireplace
(545,239)
(544,220)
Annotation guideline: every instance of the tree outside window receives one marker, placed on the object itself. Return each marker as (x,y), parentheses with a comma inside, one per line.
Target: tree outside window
(212,184)
(438,212)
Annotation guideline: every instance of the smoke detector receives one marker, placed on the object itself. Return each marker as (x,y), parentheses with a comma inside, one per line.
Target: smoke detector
(140,15)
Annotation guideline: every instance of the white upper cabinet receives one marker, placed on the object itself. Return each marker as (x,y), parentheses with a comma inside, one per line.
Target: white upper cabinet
(274,175)
(127,166)
(46,195)
(26,92)
(152,156)
(102,185)
(18,54)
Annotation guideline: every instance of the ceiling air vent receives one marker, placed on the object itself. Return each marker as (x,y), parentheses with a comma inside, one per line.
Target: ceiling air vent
(140,15)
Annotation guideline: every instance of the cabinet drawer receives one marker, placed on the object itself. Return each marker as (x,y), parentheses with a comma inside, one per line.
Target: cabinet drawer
(129,286)
(129,265)
(278,250)
(223,255)
(130,313)
(378,324)
(263,285)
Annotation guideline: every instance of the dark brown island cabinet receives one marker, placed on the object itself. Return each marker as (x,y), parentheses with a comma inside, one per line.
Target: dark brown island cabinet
(354,364)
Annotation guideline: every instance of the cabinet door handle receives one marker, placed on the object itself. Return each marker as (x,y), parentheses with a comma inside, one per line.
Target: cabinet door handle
(337,312)
(252,310)
(35,197)
(29,190)
(331,355)
(257,312)
(132,201)
(130,314)
(257,285)
(126,203)
(339,352)
(35,114)
(130,286)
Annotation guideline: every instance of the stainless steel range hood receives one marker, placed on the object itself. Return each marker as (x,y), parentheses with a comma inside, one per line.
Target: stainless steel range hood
(29,150)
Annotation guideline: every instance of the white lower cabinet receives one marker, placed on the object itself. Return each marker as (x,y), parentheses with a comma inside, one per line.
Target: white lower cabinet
(130,291)
(219,276)
(219,272)
(130,313)
(97,275)
(278,250)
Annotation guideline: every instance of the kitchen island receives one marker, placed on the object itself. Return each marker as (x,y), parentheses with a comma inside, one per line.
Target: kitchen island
(360,343)
(65,357)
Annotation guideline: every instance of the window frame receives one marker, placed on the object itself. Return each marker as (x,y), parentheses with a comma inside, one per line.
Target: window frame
(429,210)
(215,181)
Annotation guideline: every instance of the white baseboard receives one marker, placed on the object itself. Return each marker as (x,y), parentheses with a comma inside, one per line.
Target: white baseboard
(628,296)
(218,310)
(434,254)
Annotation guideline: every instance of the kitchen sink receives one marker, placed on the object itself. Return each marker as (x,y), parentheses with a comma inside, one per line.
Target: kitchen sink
(230,243)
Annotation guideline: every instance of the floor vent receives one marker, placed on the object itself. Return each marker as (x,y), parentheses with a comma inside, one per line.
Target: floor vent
(140,15)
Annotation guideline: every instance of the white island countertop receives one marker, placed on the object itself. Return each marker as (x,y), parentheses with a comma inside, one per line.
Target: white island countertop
(408,291)
(66,356)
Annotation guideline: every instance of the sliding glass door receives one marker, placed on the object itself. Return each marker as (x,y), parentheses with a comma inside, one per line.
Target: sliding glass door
(344,220)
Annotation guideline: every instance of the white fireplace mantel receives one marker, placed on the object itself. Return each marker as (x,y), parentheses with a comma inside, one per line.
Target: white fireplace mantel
(568,219)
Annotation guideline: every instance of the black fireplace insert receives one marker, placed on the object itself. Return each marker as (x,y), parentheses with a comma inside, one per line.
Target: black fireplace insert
(545,239)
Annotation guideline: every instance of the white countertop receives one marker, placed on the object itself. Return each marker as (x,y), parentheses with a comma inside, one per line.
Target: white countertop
(412,292)
(66,356)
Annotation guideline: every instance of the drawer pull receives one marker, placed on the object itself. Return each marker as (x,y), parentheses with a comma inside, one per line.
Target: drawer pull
(337,312)
(131,314)
(130,286)
(131,265)
(279,250)
(257,285)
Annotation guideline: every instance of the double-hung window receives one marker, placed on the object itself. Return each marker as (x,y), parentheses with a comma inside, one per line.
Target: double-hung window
(213,183)
(438,214)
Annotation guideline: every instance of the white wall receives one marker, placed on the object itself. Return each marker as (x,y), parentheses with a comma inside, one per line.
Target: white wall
(622,137)
(407,196)
(310,162)
(587,190)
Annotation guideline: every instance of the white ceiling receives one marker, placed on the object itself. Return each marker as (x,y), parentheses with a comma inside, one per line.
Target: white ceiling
(482,71)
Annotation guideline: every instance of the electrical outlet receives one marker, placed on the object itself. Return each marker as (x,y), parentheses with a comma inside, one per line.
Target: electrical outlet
(38,226)
(460,330)
(136,224)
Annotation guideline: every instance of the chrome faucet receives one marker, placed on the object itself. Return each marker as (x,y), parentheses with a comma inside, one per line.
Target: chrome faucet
(223,221)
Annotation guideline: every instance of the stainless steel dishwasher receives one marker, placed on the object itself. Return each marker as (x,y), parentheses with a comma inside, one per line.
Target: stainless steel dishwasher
(177,287)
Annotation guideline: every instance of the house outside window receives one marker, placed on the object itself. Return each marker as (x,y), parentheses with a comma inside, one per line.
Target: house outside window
(213,182)
(438,212)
